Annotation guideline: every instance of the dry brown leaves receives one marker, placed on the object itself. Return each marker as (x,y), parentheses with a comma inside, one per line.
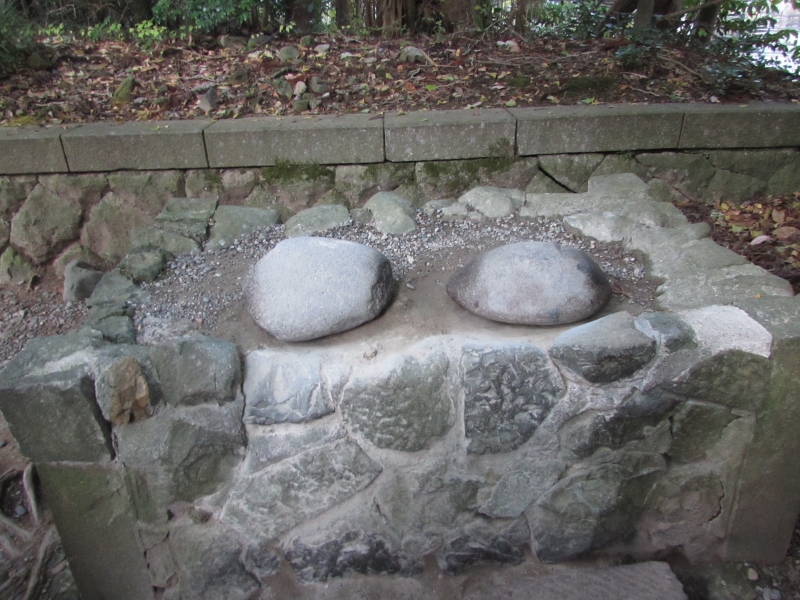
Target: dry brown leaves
(353,75)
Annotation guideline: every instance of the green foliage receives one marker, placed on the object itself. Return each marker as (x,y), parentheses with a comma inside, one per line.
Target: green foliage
(15,37)
(204,15)
(147,34)
(577,20)
(107,30)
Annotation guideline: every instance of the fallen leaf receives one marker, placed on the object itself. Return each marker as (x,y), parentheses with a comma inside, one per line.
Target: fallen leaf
(784,233)
(760,240)
(779,216)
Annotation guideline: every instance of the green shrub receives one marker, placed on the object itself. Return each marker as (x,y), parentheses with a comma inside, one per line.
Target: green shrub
(15,37)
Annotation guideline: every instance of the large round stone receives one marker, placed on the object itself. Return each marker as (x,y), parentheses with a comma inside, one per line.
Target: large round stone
(531,283)
(309,287)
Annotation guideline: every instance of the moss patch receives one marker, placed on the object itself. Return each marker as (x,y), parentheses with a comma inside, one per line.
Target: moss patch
(284,172)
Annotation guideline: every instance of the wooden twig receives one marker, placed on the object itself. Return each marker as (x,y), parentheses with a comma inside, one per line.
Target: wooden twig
(33,581)
(691,9)
(681,65)
(30,492)
(14,528)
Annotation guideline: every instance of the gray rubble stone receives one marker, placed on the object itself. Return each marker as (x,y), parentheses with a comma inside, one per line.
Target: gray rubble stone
(641,417)
(107,232)
(482,544)
(591,509)
(542,183)
(672,332)
(13,191)
(316,219)
(79,190)
(391,213)
(571,170)
(531,283)
(306,288)
(115,288)
(143,265)
(493,202)
(209,556)
(260,562)
(15,269)
(44,225)
(198,210)
(230,222)
(508,390)
(697,427)
(117,329)
(80,280)
(266,446)
(760,164)
(169,242)
(281,388)
(604,350)
(148,191)
(180,455)
(518,488)
(687,172)
(197,370)
(357,183)
(122,392)
(5,232)
(294,490)
(734,378)
(404,405)
(238,184)
(356,552)
(54,416)
(726,185)
(786,180)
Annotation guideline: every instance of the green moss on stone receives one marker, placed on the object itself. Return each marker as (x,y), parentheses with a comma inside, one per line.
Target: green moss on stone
(285,172)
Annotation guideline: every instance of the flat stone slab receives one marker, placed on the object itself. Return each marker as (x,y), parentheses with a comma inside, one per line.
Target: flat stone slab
(320,140)
(605,128)
(137,145)
(531,283)
(645,581)
(31,150)
(756,125)
(451,134)
(306,288)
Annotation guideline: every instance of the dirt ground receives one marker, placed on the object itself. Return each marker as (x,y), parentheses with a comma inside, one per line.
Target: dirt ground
(341,74)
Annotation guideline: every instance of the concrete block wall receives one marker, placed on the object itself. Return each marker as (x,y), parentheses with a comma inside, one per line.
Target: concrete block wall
(395,137)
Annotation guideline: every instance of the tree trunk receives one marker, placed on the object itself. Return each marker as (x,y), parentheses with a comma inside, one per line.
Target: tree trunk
(342,13)
(643,19)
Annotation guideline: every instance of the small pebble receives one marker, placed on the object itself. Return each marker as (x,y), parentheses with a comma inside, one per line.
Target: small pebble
(752,574)
(409,286)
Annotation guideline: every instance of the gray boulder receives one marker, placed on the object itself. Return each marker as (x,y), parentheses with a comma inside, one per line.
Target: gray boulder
(316,219)
(80,280)
(230,222)
(392,213)
(281,388)
(604,350)
(115,288)
(531,283)
(306,288)
(493,202)
(44,225)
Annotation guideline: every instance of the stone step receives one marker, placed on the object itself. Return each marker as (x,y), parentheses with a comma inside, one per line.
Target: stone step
(643,581)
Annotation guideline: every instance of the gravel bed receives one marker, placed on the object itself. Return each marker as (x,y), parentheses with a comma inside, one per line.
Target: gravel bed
(195,289)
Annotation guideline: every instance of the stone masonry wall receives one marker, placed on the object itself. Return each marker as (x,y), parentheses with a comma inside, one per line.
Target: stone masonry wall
(93,217)
(184,470)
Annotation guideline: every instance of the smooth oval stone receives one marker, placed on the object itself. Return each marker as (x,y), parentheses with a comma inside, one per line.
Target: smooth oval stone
(531,283)
(309,287)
